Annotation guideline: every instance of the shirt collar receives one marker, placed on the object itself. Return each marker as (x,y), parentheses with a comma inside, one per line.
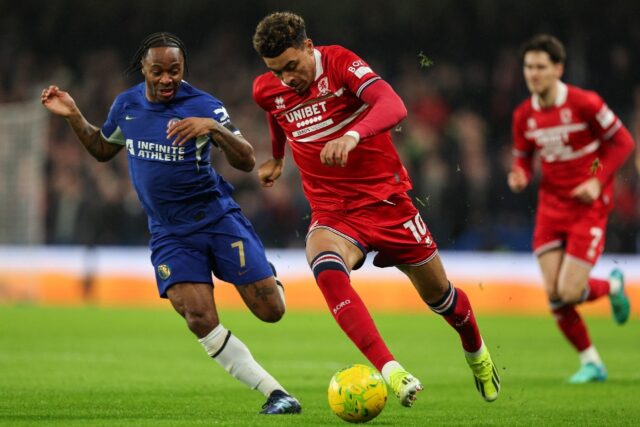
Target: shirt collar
(561,96)
(319,69)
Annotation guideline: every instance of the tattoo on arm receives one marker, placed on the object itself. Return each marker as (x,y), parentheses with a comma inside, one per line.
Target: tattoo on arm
(101,149)
(92,139)
(238,151)
(93,142)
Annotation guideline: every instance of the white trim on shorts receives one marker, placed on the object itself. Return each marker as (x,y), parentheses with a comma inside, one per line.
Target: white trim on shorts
(339,233)
(578,260)
(423,262)
(547,247)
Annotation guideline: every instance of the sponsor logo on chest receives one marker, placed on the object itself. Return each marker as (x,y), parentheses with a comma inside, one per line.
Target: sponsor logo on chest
(155,151)
(555,141)
(313,114)
(314,110)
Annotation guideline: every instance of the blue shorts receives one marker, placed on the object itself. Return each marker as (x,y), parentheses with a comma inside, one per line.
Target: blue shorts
(230,249)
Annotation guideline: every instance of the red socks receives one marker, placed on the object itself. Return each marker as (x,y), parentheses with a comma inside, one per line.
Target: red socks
(572,326)
(348,309)
(569,320)
(456,309)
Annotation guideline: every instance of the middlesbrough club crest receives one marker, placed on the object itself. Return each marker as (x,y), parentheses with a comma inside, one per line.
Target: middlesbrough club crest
(323,86)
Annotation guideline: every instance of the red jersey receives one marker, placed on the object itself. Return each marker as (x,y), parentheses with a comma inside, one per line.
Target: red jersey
(327,110)
(570,136)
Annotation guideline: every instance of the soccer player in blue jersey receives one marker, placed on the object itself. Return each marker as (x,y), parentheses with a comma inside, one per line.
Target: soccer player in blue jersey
(196,226)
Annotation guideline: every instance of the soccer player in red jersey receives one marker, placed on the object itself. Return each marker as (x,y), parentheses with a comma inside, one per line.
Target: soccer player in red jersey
(581,144)
(335,113)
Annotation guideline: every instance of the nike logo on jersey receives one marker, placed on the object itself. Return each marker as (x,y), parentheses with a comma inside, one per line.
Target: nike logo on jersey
(128,117)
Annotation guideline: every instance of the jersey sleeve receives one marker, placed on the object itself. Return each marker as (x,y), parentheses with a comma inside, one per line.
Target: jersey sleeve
(387,110)
(599,116)
(278,138)
(354,72)
(523,149)
(219,113)
(110,130)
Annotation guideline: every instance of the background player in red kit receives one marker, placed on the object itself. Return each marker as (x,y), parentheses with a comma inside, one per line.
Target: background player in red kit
(581,144)
(336,113)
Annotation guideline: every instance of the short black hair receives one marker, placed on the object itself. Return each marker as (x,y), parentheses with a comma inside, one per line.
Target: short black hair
(277,32)
(545,43)
(160,39)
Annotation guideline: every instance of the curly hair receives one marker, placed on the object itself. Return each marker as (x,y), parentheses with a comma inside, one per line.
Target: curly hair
(545,43)
(277,32)
(161,39)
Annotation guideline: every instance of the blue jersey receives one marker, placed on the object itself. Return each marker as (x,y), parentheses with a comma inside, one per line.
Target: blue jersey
(179,190)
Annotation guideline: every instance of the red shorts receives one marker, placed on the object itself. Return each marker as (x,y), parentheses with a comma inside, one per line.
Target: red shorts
(393,228)
(579,228)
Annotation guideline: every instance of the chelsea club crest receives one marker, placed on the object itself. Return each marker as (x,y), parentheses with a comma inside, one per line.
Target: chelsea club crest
(164,271)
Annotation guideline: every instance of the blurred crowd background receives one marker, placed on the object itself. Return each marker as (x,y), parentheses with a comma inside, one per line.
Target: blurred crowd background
(456,65)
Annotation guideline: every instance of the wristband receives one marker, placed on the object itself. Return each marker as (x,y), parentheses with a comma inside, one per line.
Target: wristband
(354,134)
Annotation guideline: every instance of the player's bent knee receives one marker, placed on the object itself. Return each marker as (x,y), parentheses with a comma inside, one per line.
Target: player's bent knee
(200,322)
(570,296)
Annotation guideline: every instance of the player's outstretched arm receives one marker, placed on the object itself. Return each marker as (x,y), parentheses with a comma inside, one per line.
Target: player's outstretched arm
(62,104)
(238,151)
(269,171)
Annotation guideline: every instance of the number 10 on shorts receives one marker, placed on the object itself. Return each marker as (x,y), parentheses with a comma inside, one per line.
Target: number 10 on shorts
(418,229)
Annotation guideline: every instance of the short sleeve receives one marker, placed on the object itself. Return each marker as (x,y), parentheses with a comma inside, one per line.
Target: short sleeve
(110,129)
(522,148)
(218,112)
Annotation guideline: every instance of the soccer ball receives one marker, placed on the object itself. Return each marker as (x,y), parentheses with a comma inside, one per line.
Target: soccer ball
(357,393)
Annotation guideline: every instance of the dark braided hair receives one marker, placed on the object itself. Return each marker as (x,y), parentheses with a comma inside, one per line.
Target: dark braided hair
(161,39)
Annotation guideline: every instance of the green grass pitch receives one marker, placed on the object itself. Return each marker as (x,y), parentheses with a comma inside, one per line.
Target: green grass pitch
(141,367)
